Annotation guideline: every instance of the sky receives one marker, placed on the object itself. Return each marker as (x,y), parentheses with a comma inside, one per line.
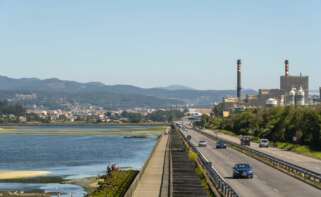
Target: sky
(158,43)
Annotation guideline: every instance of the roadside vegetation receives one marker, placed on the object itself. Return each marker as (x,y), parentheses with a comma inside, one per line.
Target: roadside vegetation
(10,112)
(115,183)
(301,149)
(199,171)
(156,116)
(296,129)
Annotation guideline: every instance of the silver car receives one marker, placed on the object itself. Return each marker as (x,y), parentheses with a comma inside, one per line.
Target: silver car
(202,143)
(264,143)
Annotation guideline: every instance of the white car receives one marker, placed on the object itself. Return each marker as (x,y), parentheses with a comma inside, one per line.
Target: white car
(264,143)
(202,143)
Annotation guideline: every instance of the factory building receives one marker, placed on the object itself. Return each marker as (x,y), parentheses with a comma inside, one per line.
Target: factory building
(291,97)
(295,83)
(271,102)
(300,97)
(294,90)
(317,98)
(263,96)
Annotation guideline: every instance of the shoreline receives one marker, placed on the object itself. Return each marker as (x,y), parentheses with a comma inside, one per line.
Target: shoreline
(12,174)
(81,124)
(138,132)
(89,184)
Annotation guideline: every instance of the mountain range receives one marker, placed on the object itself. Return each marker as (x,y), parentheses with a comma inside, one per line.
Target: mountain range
(54,93)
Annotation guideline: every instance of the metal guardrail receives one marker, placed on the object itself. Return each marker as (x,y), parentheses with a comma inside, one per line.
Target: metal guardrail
(303,174)
(224,188)
(221,185)
(133,186)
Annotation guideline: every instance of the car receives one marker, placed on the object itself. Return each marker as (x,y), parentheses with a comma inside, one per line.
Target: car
(245,140)
(202,143)
(220,145)
(264,143)
(242,170)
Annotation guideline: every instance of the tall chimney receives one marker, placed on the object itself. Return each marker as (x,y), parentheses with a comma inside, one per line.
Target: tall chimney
(239,87)
(286,63)
(320,93)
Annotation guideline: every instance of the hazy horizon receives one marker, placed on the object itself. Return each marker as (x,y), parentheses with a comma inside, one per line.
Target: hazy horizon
(157,44)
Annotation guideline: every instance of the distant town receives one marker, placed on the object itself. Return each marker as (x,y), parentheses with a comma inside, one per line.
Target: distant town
(15,113)
(34,106)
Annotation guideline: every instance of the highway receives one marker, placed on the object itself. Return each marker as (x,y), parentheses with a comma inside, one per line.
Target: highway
(291,157)
(267,181)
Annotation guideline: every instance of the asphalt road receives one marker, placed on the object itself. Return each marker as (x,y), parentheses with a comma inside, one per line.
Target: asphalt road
(267,181)
(299,160)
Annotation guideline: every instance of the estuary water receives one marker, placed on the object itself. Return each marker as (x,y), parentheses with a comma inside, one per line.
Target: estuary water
(70,152)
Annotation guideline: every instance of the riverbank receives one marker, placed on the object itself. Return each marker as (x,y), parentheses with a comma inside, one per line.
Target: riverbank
(89,184)
(22,194)
(12,175)
(82,124)
(71,155)
(115,184)
(99,131)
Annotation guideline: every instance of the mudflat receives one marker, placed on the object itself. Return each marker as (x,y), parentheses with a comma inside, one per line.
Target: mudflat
(6,175)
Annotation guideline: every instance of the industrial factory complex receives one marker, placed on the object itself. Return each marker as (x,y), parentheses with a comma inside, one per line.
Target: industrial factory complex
(294,91)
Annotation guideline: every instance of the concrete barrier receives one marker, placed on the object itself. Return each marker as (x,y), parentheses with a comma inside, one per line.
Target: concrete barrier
(133,187)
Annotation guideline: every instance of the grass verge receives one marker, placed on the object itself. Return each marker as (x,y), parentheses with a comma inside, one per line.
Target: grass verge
(303,150)
(199,170)
(115,184)
(296,148)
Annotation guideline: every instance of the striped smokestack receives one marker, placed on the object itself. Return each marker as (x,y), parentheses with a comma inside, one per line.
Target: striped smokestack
(286,63)
(239,87)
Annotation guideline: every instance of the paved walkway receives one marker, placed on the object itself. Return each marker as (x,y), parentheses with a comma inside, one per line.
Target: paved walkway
(150,183)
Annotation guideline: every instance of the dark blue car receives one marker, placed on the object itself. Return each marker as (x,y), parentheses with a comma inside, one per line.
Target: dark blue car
(220,145)
(242,170)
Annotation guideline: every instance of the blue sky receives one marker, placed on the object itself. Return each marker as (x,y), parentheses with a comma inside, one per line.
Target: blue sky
(158,43)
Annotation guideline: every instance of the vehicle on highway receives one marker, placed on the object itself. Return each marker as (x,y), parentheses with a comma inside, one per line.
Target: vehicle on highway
(245,140)
(220,145)
(264,143)
(202,143)
(242,170)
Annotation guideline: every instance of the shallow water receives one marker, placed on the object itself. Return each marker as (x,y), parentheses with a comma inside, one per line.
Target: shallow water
(65,190)
(69,156)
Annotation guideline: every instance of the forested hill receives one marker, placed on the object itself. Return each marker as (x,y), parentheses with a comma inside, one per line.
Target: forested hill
(50,91)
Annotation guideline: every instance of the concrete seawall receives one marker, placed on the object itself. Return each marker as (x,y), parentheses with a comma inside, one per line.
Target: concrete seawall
(149,181)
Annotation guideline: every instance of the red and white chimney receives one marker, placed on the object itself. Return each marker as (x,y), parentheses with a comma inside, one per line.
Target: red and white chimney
(286,63)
